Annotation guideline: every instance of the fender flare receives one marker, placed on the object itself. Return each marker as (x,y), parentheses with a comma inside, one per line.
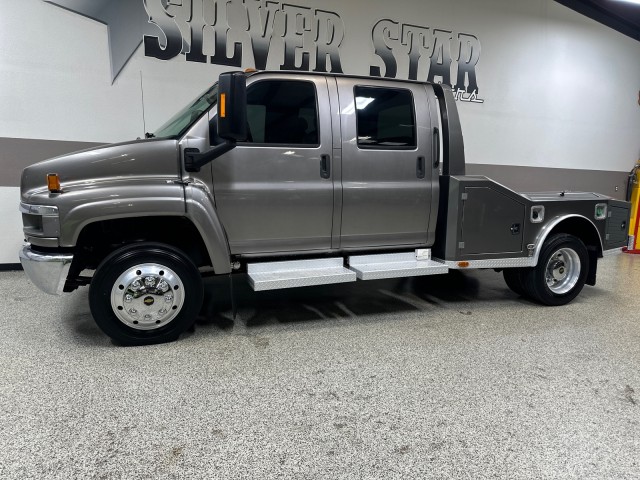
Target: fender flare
(548,228)
(202,212)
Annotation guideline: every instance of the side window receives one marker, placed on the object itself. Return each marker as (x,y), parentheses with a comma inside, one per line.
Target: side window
(385,117)
(282,112)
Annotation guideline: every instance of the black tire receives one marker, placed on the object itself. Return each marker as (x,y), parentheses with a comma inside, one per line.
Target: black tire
(513,279)
(167,279)
(561,271)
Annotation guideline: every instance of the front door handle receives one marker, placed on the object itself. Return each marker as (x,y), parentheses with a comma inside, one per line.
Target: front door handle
(325,166)
(420,167)
(436,147)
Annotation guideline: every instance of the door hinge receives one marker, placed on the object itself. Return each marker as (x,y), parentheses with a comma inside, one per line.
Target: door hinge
(464,196)
(461,245)
(183,182)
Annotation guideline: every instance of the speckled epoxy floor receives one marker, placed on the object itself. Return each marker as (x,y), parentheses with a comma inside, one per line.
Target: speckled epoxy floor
(442,377)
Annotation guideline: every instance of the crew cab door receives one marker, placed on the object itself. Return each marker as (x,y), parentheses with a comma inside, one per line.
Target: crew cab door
(389,167)
(274,193)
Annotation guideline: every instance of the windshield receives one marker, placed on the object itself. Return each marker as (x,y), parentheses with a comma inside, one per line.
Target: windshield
(181,121)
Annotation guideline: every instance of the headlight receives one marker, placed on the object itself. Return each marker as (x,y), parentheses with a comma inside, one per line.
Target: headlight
(43,210)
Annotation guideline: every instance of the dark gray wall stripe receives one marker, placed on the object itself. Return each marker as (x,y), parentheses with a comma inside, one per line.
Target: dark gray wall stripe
(17,153)
(537,179)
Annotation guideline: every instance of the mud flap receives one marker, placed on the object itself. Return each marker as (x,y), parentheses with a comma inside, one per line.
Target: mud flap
(593,266)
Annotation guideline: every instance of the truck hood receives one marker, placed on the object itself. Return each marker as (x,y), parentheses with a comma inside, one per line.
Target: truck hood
(120,161)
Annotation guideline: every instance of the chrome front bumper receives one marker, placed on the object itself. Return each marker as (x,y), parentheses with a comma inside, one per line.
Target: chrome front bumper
(48,271)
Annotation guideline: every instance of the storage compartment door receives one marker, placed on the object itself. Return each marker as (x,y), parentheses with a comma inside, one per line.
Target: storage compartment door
(617,227)
(492,223)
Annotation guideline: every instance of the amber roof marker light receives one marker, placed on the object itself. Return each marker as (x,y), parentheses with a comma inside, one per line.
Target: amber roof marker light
(53,183)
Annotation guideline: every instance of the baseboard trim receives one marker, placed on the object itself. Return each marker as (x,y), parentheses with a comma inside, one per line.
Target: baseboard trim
(10,267)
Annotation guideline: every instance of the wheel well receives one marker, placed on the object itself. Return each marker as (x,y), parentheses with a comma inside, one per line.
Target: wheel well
(587,232)
(100,238)
(581,228)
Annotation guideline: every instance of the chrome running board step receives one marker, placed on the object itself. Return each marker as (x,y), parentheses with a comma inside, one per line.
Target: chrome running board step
(298,273)
(394,265)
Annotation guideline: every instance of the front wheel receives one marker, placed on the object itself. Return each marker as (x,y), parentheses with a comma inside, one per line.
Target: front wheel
(146,293)
(561,271)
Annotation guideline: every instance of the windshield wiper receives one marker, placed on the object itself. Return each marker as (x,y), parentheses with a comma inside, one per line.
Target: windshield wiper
(149,135)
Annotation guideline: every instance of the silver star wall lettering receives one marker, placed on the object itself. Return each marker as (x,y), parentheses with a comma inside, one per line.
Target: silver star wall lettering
(126,20)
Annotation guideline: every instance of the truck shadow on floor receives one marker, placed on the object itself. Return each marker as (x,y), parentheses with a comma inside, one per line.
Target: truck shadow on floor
(335,302)
(309,305)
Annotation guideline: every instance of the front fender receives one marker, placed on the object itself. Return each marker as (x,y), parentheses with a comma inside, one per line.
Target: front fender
(135,198)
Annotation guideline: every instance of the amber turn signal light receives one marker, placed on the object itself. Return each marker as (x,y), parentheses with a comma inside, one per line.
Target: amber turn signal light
(53,183)
(463,264)
(223,105)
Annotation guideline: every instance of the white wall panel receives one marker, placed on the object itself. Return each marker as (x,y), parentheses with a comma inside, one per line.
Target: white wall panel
(11,237)
(560,90)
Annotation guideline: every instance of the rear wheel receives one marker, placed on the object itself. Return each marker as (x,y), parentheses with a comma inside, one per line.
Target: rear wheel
(561,271)
(513,279)
(144,294)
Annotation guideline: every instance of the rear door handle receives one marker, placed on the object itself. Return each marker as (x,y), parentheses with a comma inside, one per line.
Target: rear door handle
(325,166)
(436,147)
(420,170)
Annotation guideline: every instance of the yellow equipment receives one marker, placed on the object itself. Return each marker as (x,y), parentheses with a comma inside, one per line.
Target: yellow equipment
(633,195)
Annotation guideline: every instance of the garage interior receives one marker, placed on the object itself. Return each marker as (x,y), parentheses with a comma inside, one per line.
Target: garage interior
(428,377)
(447,376)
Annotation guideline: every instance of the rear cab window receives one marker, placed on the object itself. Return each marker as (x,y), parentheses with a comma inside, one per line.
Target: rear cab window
(385,118)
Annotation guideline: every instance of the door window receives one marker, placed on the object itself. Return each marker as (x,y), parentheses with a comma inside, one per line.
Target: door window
(282,112)
(385,118)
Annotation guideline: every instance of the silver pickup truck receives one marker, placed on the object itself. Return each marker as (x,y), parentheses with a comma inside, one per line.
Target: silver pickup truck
(295,179)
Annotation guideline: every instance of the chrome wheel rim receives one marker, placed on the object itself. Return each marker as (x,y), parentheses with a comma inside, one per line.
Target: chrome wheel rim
(147,296)
(562,271)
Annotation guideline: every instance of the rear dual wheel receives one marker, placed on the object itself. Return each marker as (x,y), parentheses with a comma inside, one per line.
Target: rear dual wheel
(145,294)
(558,277)
(513,279)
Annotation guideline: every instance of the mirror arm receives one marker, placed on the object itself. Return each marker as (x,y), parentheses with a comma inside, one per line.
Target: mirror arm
(194,160)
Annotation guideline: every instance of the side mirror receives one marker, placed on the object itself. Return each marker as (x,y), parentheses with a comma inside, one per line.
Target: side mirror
(232,120)
(232,106)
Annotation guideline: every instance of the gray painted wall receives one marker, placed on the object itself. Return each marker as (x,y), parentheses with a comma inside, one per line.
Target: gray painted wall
(18,153)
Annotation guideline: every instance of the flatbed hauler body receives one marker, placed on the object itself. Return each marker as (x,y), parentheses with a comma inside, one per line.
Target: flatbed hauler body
(295,179)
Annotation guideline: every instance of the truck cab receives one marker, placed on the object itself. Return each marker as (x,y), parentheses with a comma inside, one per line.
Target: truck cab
(295,179)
